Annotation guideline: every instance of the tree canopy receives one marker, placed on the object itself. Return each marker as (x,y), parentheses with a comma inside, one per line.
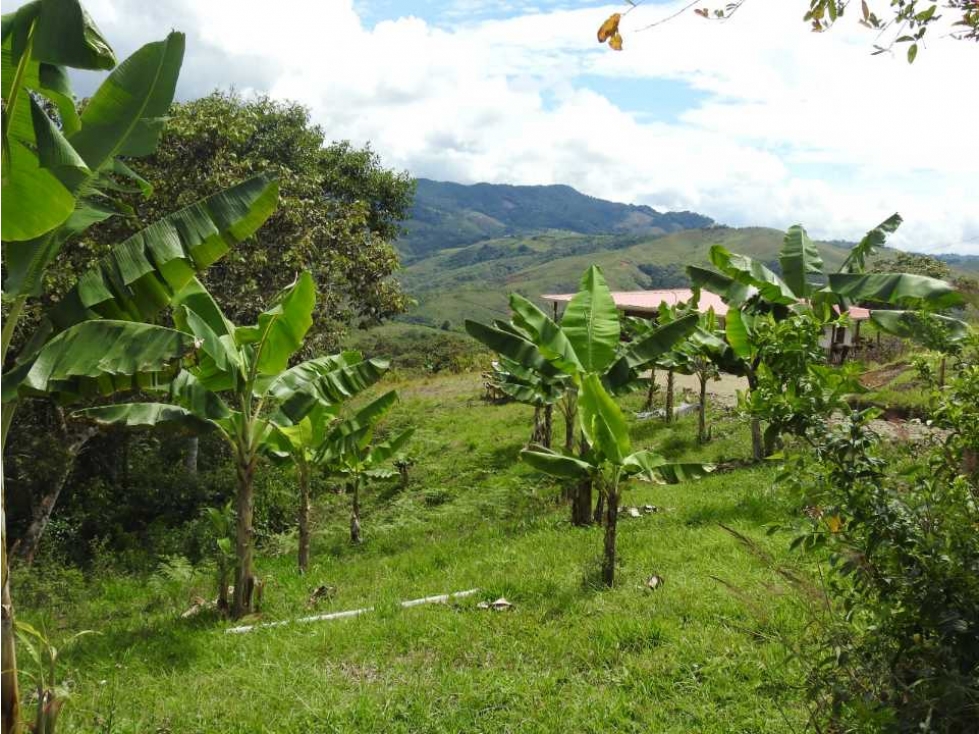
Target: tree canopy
(340,209)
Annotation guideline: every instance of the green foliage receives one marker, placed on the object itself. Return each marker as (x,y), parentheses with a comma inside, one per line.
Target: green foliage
(902,582)
(340,209)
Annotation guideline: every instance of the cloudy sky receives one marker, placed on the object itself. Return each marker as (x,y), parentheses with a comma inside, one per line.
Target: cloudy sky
(752,121)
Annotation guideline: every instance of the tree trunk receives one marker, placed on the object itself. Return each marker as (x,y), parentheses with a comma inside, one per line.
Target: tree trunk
(757,441)
(581,506)
(9,693)
(611,521)
(537,435)
(303,517)
(75,441)
(244,548)
(651,392)
(355,511)
(702,415)
(598,515)
(569,420)
(941,371)
(668,413)
(191,450)
(548,425)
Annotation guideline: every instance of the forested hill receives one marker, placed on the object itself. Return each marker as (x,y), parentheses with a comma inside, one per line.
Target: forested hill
(448,215)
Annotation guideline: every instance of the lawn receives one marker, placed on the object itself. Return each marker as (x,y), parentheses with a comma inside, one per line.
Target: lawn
(692,655)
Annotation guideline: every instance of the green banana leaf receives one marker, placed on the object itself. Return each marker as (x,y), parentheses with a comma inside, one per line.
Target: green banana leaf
(727,288)
(63,34)
(551,339)
(145,415)
(918,326)
(602,421)
(648,348)
(591,323)
(799,258)
(856,261)
(557,465)
(141,275)
(510,345)
(126,114)
(281,329)
(27,181)
(737,334)
(101,357)
(325,381)
(894,288)
(750,272)
(384,451)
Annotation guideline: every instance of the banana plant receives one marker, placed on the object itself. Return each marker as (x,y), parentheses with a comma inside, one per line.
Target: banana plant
(251,365)
(752,290)
(348,451)
(586,342)
(610,461)
(300,442)
(535,388)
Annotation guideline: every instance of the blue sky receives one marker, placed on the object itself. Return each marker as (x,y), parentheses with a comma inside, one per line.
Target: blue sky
(755,121)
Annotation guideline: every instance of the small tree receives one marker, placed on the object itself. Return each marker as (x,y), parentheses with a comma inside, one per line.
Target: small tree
(348,450)
(587,341)
(249,363)
(609,461)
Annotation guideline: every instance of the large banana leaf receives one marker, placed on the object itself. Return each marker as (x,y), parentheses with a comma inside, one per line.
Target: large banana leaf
(281,329)
(737,334)
(63,34)
(557,465)
(196,311)
(799,258)
(510,345)
(101,357)
(648,348)
(145,415)
(726,287)
(550,339)
(856,261)
(894,288)
(602,421)
(126,114)
(325,381)
(750,272)
(919,326)
(141,275)
(591,323)
(188,392)
(33,200)
(385,450)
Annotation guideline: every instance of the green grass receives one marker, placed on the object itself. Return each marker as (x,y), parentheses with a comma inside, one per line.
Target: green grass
(692,656)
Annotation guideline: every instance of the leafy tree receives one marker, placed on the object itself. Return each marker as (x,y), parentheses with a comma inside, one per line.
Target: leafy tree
(340,209)
(587,341)
(348,450)
(914,263)
(250,363)
(306,443)
(609,461)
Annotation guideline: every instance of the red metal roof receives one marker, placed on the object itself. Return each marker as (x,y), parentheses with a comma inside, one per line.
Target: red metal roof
(650,301)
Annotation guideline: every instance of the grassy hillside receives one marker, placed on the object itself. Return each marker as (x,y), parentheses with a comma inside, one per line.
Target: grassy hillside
(693,655)
(447,215)
(474,281)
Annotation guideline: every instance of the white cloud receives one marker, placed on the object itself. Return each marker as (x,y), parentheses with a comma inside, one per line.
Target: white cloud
(795,126)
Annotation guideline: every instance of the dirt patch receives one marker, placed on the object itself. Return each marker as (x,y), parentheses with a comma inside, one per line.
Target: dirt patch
(876,379)
(722,392)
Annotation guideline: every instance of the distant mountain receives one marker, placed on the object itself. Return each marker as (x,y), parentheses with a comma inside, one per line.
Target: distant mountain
(474,281)
(450,215)
(962,262)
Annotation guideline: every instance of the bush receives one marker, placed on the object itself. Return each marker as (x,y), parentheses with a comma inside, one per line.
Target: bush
(904,571)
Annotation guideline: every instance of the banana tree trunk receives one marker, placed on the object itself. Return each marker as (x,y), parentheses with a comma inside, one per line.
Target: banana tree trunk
(242,603)
(355,511)
(702,414)
(611,523)
(303,517)
(581,506)
(668,413)
(75,442)
(548,424)
(757,440)
(651,392)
